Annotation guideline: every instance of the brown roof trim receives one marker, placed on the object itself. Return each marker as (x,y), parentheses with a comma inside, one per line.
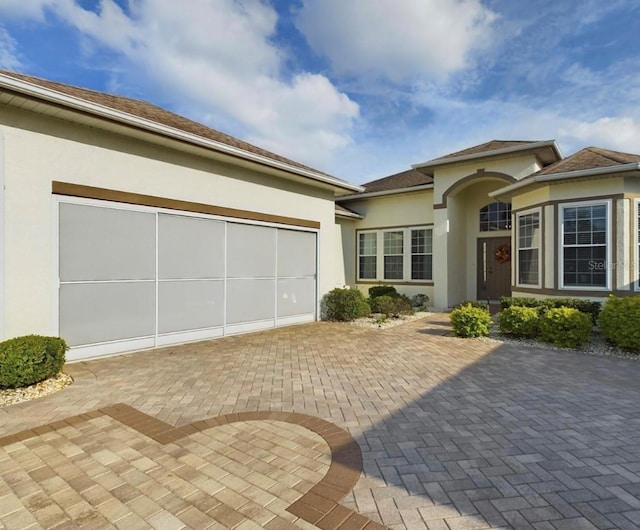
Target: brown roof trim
(145,116)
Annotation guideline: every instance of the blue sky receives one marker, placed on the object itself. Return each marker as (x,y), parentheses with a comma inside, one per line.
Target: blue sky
(357,88)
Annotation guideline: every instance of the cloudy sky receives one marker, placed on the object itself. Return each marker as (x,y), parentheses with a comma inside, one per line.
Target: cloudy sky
(358,88)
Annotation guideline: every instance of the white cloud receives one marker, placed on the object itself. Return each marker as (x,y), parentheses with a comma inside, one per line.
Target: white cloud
(618,133)
(396,40)
(8,51)
(216,58)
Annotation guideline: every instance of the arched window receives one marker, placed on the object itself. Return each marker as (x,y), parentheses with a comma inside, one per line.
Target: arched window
(495,216)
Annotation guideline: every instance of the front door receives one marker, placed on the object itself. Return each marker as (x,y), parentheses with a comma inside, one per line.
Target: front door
(494,267)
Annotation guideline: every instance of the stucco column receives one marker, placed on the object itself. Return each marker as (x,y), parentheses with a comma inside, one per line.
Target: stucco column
(440,261)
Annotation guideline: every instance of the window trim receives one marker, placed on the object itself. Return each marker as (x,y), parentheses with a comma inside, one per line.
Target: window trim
(509,217)
(406,255)
(636,245)
(561,247)
(403,232)
(410,231)
(530,211)
(358,255)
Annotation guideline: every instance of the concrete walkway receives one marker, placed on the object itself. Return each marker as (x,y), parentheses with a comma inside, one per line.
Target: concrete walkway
(453,434)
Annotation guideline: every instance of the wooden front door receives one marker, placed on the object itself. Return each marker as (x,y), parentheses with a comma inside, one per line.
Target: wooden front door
(494,267)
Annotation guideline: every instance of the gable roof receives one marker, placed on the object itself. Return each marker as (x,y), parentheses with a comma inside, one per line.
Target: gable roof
(589,158)
(157,115)
(547,152)
(404,179)
(588,162)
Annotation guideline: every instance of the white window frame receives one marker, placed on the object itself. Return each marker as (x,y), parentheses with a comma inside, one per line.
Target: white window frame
(406,254)
(411,253)
(635,269)
(561,246)
(403,232)
(538,210)
(368,255)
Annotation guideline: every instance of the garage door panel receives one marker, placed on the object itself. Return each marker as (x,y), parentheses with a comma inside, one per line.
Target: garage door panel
(296,296)
(190,247)
(251,251)
(106,244)
(250,300)
(190,305)
(296,253)
(100,312)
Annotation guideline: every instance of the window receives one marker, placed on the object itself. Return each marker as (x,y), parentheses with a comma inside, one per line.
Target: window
(367,255)
(495,216)
(585,245)
(421,254)
(393,255)
(528,248)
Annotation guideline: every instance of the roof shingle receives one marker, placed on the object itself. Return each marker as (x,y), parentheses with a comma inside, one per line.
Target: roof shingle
(404,179)
(589,158)
(142,109)
(492,145)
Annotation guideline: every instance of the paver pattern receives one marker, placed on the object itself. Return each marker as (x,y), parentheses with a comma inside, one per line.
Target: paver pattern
(455,434)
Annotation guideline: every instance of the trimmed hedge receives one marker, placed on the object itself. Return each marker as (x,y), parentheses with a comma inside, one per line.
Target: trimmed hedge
(473,303)
(345,305)
(30,359)
(382,290)
(468,321)
(544,304)
(620,322)
(565,327)
(518,321)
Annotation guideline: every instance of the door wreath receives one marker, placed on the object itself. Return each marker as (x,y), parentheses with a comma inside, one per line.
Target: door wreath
(503,254)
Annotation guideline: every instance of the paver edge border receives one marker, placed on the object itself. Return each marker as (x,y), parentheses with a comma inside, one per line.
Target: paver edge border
(318,506)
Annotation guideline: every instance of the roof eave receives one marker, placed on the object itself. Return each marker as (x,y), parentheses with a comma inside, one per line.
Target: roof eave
(366,195)
(566,175)
(495,152)
(65,100)
(349,215)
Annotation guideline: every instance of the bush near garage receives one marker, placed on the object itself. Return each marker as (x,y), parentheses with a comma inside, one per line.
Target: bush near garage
(468,321)
(30,359)
(345,305)
(620,322)
(520,322)
(382,290)
(419,302)
(544,304)
(565,327)
(391,306)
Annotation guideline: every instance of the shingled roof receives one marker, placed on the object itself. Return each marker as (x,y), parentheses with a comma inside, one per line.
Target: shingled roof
(589,158)
(492,145)
(404,179)
(142,109)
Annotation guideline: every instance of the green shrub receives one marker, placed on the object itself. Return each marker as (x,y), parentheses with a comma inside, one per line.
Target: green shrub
(391,306)
(518,321)
(620,322)
(382,290)
(544,304)
(419,301)
(565,327)
(473,303)
(345,305)
(469,321)
(30,359)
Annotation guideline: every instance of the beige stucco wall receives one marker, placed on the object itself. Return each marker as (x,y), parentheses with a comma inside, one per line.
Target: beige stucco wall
(406,209)
(345,256)
(38,150)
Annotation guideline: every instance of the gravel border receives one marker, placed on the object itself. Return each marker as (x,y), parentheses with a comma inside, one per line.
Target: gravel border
(11,396)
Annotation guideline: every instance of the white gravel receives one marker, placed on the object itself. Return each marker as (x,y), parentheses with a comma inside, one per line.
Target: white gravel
(12,396)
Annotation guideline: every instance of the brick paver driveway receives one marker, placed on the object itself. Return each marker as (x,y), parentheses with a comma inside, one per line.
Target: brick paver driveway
(454,434)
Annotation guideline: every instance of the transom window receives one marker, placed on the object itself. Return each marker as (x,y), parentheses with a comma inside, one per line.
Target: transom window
(585,241)
(528,248)
(495,216)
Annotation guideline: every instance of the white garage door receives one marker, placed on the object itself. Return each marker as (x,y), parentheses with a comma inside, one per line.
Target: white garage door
(139,278)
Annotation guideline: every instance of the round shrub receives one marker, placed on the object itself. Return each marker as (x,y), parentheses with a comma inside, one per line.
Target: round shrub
(519,321)
(565,327)
(345,305)
(619,322)
(419,301)
(469,321)
(382,290)
(383,304)
(402,305)
(30,359)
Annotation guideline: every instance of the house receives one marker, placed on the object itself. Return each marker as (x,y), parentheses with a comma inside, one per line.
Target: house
(125,226)
(501,218)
